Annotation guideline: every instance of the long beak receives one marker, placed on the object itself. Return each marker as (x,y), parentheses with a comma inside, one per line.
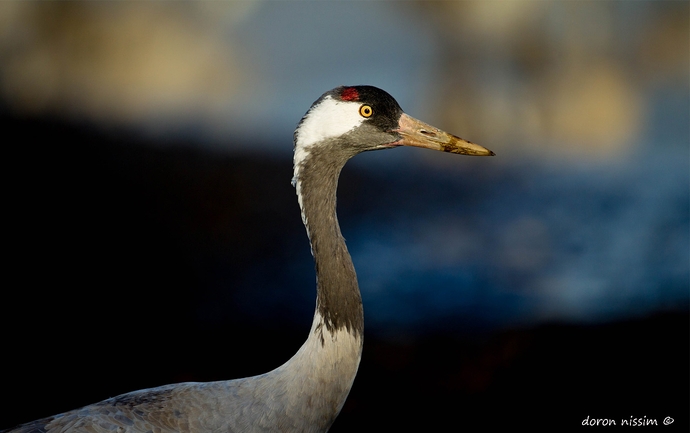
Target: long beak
(419,134)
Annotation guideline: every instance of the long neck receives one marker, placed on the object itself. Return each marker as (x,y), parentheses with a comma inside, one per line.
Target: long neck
(338,300)
(308,391)
(315,382)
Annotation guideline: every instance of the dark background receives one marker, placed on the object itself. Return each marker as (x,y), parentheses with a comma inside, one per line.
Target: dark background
(120,253)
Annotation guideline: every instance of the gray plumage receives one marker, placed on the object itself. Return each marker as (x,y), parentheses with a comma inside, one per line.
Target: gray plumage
(307,392)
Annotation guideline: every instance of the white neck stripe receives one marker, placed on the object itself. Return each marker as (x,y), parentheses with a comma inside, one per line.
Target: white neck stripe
(328,119)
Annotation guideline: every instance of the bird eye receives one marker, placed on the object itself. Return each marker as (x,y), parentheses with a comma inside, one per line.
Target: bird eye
(366,110)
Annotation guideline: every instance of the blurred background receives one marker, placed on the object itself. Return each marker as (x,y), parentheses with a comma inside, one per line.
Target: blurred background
(152,234)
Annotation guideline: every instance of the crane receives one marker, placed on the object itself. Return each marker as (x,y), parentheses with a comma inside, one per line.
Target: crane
(306,393)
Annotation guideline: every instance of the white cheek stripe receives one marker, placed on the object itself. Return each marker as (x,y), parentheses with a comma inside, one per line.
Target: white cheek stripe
(328,119)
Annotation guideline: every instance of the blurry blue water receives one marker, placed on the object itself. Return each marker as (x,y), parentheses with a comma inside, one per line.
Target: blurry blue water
(576,243)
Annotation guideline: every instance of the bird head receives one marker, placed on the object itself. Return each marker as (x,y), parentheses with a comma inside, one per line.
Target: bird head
(354,119)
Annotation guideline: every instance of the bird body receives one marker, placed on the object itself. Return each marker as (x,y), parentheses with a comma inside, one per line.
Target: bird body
(307,392)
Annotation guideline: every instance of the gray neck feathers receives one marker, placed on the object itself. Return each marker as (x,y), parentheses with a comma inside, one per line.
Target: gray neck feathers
(338,298)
